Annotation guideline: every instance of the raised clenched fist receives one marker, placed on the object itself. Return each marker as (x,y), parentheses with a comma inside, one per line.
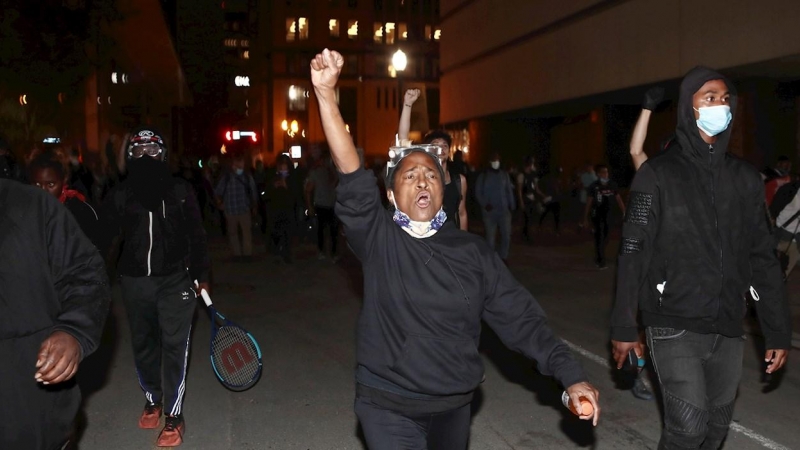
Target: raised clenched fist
(325,69)
(411,96)
(653,97)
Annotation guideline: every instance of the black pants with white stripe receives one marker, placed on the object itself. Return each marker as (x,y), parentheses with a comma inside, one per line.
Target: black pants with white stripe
(160,312)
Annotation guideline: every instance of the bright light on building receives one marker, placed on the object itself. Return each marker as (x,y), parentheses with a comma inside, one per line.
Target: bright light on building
(399,60)
(223,150)
(292,93)
(285,125)
(114,77)
(242,81)
(437,34)
(246,54)
(295,126)
(352,30)
(332,24)
(297,151)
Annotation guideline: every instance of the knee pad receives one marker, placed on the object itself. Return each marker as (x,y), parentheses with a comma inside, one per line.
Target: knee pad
(683,418)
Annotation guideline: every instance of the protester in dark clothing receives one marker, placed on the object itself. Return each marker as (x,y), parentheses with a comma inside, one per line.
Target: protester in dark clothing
(48,172)
(53,303)
(427,286)
(163,257)
(527,181)
(690,252)
(598,205)
(282,198)
(320,193)
(9,169)
(551,193)
(80,177)
(495,193)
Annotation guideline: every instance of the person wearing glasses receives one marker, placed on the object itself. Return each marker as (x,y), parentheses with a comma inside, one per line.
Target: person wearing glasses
(158,219)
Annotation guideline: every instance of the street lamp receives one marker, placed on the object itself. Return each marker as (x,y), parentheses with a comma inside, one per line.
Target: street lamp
(399,63)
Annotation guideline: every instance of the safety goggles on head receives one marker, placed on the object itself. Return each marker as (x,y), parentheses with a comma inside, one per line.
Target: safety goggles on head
(139,150)
(396,154)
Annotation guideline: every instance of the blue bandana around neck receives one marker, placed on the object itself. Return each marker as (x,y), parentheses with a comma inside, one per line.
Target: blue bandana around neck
(419,229)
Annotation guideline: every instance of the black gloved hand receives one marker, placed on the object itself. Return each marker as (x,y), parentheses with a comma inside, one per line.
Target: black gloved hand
(653,97)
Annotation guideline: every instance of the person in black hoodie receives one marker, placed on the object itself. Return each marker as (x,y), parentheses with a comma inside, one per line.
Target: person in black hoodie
(53,303)
(158,220)
(695,242)
(427,286)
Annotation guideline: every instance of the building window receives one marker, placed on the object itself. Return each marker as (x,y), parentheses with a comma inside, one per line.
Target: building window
(437,34)
(296,29)
(377,32)
(352,29)
(402,31)
(388,31)
(246,54)
(428,32)
(333,26)
(291,30)
(298,98)
(351,65)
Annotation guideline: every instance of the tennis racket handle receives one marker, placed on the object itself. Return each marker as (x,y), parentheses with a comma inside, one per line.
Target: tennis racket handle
(206,297)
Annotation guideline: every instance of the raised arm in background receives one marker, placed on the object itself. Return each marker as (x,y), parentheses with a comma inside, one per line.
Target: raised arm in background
(405,116)
(652,98)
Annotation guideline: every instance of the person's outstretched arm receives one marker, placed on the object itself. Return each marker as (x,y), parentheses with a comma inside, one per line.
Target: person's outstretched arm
(405,116)
(652,98)
(325,70)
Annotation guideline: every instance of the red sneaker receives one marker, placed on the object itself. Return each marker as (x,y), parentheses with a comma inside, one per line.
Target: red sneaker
(151,415)
(172,434)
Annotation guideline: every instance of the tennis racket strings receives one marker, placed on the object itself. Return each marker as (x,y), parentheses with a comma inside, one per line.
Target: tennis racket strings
(235,356)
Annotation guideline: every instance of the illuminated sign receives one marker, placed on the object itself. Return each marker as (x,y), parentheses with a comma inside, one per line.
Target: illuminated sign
(242,81)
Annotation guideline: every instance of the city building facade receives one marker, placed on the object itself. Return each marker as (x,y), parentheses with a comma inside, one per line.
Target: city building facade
(564,80)
(269,48)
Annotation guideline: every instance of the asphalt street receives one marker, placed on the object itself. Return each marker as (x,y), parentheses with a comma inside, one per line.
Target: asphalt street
(304,317)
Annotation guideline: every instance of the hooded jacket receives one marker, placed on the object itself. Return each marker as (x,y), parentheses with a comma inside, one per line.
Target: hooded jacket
(696,241)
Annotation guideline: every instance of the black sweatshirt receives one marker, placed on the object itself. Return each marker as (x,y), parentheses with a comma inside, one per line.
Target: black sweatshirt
(696,242)
(424,300)
(52,278)
(156,243)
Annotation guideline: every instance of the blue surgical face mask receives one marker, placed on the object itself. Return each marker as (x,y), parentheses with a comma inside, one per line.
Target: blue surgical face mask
(714,119)
(239,171)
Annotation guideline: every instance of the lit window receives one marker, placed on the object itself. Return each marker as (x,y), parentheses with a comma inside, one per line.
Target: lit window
(298,98)
(246,54)
(245,43)
(389,32)
(437,34)
(303,22)
(231,42)
(352,29)
(377,29)
(291,30)
(333,26)
(402,31)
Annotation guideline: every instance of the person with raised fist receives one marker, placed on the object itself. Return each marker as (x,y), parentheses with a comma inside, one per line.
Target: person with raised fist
(427,286)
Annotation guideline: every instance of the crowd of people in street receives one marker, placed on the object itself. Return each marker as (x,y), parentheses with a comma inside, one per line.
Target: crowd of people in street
(414,222)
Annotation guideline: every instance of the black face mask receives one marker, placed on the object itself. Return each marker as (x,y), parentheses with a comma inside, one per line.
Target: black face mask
(149,180)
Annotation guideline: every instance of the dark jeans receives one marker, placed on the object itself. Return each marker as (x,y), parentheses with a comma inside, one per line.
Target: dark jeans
(160,312)
(280,234)
(600,228)
(390,430)
(528,210)
(699,375)
(326,220)
(555,208)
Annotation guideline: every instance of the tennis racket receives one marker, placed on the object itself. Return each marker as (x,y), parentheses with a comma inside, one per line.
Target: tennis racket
(235,354)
